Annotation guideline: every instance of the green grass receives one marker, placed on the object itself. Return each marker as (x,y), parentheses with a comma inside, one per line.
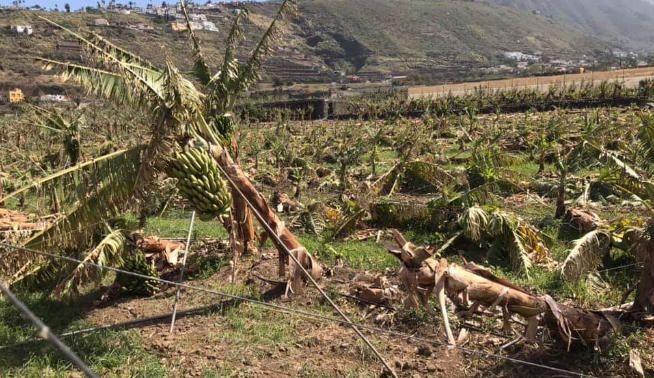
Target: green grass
(175,224)
(365,255)
(108,353)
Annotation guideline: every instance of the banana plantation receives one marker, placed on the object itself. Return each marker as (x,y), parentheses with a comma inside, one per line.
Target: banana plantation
(453,242)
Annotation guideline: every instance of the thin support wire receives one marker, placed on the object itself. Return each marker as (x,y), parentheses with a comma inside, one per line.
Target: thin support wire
(289,253)
(44,331)
(181,271)
(620,267)
(288,310)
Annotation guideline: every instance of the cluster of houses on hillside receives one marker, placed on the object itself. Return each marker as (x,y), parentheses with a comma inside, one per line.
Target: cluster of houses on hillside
(196,21)
(17,96)
(141,26)
(537,62)
(172,13)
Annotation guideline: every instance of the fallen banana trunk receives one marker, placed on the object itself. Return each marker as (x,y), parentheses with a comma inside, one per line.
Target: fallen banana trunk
(471,287)
(153,247)
(289,241)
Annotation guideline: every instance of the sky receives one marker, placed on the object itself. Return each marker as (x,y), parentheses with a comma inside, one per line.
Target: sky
(76,4)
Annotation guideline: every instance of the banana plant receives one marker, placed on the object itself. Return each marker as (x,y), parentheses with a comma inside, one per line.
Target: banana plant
(68,130)
(177,111)
(633,178)
(505,233)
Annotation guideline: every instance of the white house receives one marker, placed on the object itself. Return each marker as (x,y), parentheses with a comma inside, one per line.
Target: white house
(521,57)
(100,22)
(209,26)
(53,98)
(22,29)
(197,17)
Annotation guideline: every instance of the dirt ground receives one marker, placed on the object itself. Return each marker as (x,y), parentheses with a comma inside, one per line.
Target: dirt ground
(240,339)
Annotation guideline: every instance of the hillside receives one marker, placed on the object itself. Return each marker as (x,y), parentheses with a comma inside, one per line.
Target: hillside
(433,40)
(426,34)
(621,21)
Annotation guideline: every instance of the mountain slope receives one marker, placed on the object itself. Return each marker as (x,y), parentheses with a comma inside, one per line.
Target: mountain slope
(430,40)
(436,31)
(622,21)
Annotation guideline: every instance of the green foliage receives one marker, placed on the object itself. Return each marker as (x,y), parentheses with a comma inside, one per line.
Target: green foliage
(135,262)
(118,353)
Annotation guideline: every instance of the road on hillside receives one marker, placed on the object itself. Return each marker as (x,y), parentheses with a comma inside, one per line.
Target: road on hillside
(630,77)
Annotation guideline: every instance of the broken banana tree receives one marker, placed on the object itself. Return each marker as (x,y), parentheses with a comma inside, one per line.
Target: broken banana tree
(471,287)
(260,206)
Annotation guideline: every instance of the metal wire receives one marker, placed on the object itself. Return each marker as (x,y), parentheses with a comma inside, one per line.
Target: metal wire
(44,331)
(273,234)
(619,267)
(181,271)
(288,310)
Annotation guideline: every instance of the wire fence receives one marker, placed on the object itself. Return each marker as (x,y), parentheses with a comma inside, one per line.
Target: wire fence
(44,331)
(280,308)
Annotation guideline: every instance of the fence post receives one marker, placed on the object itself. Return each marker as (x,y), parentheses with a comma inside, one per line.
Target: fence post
(181,271)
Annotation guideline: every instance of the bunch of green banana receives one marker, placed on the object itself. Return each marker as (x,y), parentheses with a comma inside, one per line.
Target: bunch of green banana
(200,183)
(137,263)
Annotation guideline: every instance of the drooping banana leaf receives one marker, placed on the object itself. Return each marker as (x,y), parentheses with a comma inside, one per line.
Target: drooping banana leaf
(473,222)
(97,191)
(101,191)
(107,253)
(586,255)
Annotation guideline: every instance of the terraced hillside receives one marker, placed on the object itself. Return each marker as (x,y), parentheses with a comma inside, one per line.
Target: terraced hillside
(428,34)
(450,38)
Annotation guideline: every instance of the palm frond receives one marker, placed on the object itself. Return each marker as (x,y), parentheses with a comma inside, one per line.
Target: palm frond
(250,72)
(420,173)
(134,71)
(505,229)
(68,175)
(500,224)
(518,254)
(613,160)
(109,85)
(586,255)
(92,194)
(473,222)
(107,253)
(200,67)
(119,53)
(223,86)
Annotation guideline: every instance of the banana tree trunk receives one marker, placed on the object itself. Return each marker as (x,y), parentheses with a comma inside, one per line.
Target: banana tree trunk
(472,287)
(645,292)
(244,224)
(640,242)
(245,232)
(260,204)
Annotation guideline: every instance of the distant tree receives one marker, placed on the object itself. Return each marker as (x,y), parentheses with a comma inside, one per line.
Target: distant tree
(163,4)
(67,7)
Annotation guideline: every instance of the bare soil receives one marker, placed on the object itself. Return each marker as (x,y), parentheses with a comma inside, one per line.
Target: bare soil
(240,339)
